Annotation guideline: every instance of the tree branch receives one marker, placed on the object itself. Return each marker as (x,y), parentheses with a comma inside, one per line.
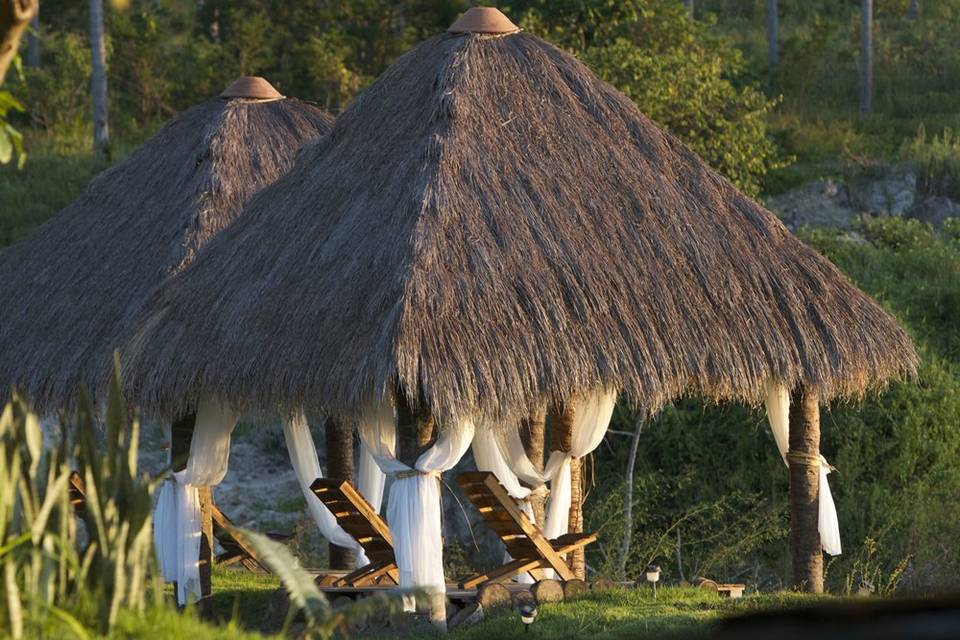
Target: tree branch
(15,15)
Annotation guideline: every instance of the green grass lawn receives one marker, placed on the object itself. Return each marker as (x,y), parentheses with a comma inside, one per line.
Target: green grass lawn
(246,605)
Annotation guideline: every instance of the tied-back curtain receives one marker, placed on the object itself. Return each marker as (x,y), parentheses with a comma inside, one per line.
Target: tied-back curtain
(177,524)
(413,507)
(303,457)
(778,414)
(591,418)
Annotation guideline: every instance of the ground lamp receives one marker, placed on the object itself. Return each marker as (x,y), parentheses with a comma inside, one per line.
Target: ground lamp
(653,577)
(528,613)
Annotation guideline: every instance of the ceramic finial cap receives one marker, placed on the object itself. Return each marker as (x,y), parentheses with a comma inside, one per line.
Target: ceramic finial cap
(483,20)
(253,87)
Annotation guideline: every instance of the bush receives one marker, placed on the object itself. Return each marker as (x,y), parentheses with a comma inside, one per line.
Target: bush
(936,159)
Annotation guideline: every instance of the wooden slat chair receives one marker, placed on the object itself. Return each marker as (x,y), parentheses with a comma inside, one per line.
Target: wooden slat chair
(523,539)
(235,549)
(358,518)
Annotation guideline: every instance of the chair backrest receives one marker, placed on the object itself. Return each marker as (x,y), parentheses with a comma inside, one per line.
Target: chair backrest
(356,516)
(501,514)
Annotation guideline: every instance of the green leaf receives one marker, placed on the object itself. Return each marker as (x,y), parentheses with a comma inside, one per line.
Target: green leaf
(298,583)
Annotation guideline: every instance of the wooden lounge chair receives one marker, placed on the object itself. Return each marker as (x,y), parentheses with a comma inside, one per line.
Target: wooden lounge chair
(235,549)
(523,539)
(355,515)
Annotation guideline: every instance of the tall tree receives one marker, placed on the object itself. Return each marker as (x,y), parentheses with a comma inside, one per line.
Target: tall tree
(98,82)
(866,57)
(773,45)
(15,15)
(33,40)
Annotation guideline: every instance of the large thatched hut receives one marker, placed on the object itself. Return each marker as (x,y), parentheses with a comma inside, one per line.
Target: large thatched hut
(489,229)
(70,288)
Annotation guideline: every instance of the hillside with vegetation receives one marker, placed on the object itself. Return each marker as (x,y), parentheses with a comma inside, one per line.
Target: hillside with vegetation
(878,193)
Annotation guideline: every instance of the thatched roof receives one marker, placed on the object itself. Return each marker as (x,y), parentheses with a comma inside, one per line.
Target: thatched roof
(69,288)
(491,226)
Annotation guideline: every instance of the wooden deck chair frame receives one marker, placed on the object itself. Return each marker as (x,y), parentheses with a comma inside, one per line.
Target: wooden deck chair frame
(359,519)
(235,548)
(524,540)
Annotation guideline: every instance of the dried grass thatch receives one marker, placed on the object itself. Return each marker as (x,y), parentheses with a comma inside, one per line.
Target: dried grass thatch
(69,289)
(493,226)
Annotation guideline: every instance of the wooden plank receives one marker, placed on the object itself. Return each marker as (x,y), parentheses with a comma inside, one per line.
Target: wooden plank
(544,548)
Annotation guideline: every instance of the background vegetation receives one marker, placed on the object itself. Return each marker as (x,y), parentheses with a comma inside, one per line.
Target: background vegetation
(710,491)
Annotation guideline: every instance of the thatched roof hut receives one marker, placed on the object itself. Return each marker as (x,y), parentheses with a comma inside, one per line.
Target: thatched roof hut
(69,289)
(490,226)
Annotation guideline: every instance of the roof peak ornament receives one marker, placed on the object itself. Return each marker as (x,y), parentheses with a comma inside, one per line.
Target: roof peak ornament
(486,20)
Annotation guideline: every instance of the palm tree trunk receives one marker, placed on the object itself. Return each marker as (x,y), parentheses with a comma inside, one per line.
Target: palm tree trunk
(532,431)
(804,459)
(181,436)
(339,440)
(561,438)
(866,57)
(98,82)
(15,15)
(773,44)
(33,41)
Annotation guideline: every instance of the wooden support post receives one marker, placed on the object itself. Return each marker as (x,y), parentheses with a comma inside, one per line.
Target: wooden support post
(339,439)
(532,432)
(181,435)
(578,560)
(804,460)
(561,438)
(415,434)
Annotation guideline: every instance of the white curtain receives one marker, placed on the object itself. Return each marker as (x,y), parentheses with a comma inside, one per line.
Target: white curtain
(176,531)
(778,414)
(489,456)
(303,457)
(592,413)
(413,508)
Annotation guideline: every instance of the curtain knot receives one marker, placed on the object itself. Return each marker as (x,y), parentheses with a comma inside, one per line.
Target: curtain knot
(412,473)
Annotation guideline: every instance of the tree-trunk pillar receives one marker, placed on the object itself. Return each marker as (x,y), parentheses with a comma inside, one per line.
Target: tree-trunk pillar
(532,431)
(98,81)
(804,460)
(561,439)
(415,434)
(866,57)
(33,41)
(181,435)
(339,440)
(578,560)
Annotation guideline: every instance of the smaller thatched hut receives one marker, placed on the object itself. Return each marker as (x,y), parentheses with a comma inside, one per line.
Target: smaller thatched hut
(69,289)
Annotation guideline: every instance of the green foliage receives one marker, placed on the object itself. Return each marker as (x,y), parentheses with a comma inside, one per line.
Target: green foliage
(321,620)
(46,577)
(679,75)
(936,159)
(11,140)
(56,94)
